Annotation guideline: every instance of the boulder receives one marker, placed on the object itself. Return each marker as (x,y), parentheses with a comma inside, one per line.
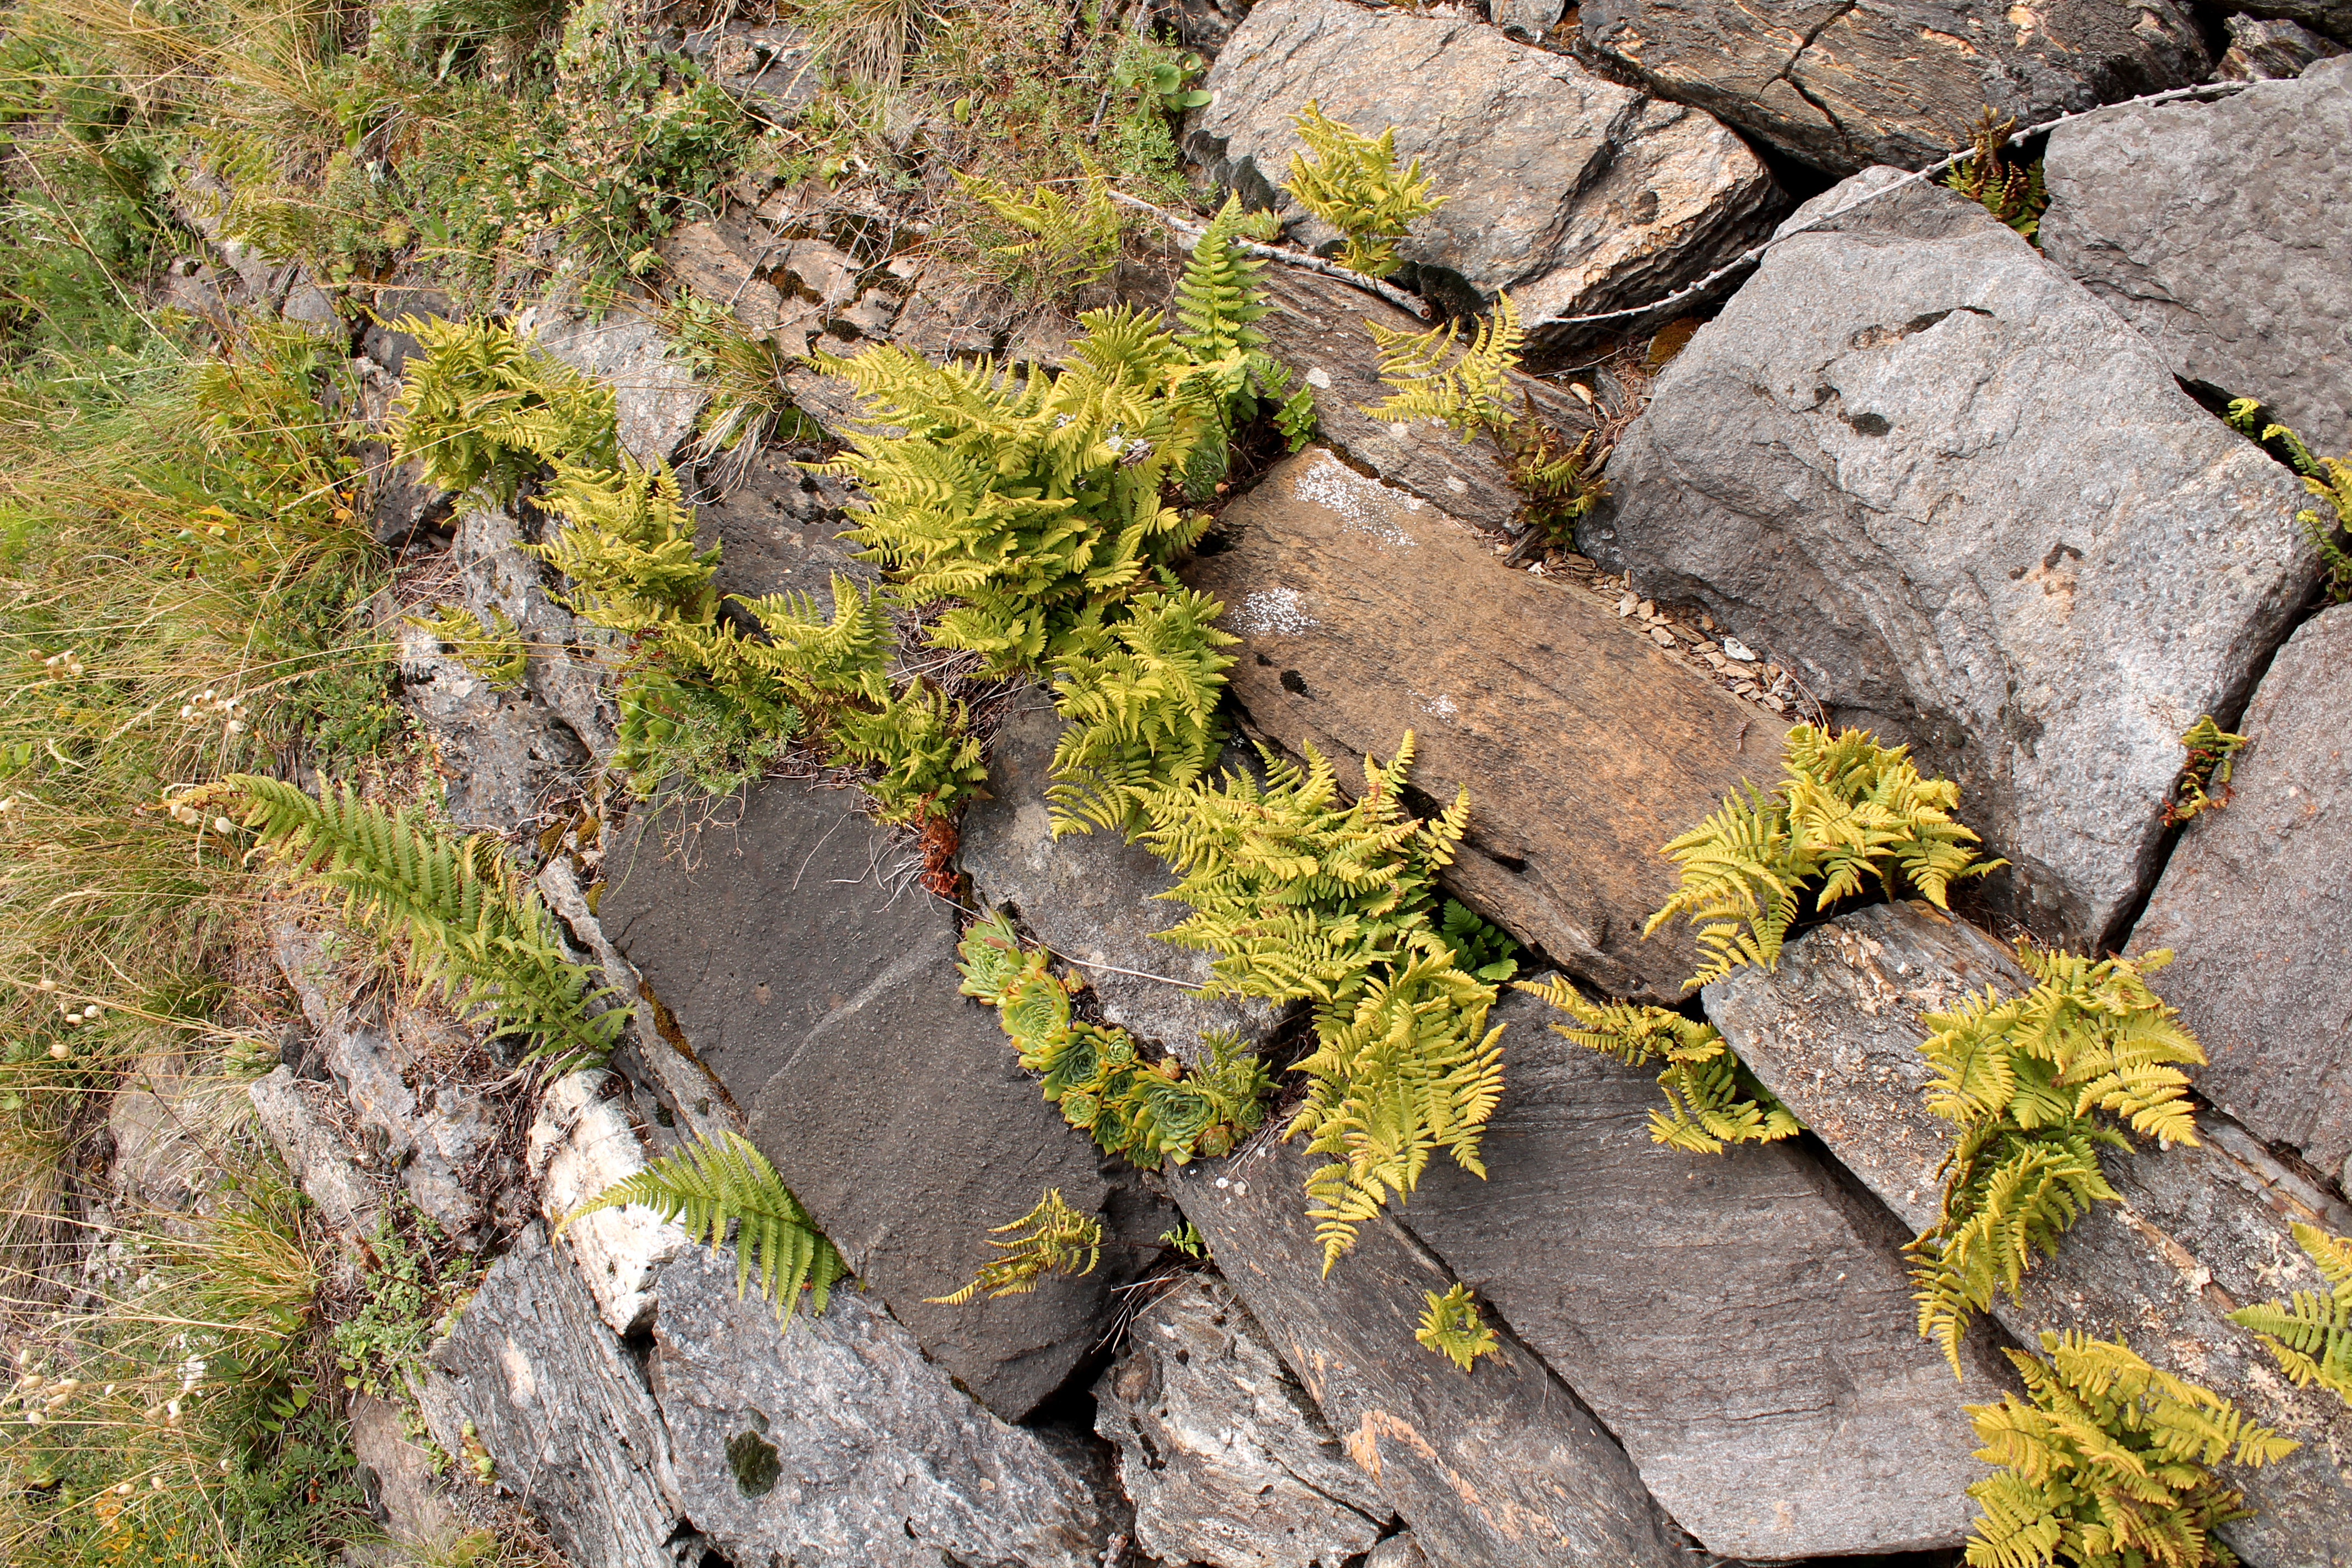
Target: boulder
(298,1119)
(819,988)
(1573,193)
(1742,1321)
(777,531)
(501,753)
(2220,231)
(2201,1230)
(657,399)
(396,1478)
(1971,511)
(580,1143)
(829,1442)
(561,667)
(2257,905)
(2333,18)
(1503,1468)
(1365,613)
(2267,51)
(1841,85)
(1225,1460)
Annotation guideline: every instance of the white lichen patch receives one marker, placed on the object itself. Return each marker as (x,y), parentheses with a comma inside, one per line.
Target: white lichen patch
(1271,613)
(1362,505)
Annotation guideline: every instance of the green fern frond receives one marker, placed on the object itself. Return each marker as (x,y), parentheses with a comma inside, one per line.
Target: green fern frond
(1049,1239)
(1141,697)
(921,746)
(1712,1098)
(1452,1326)
(2203,783)
(2310,1333)
(1067,241)
(480,406)
(719,1180)
(1353,184)
(493,652)
(1467,395)
(627,547)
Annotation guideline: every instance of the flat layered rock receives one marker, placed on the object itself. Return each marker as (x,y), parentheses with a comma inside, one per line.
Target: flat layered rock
(1841,85)
(1501,1468)
(1365,613)
(1742,1321)
(1573,193)
(2220,231)
(2256,904)
(1971,510)
(2201,1230)
(657,398)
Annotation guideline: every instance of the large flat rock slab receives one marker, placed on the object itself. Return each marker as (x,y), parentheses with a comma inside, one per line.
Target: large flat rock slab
(1973,511)
(1365,613)
(2220,230)
(1503,1468)
(1742,1321)
(2256,904)
(1841,85)
(819,987)
(1572,192)
(2200,1232)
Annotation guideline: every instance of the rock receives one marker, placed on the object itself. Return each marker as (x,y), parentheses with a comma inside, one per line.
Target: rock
(830,1442)
(657,399)
(2333,18)
(779,531)
(1225,1460)
(2267,51)
(775,66)
(1742,1321)
(1092,897)
(1364,614)
(533,1378)
(383,340)
(1972,511)
(562,669)
(2257,905)
(1573,193)
(1399,1551)
(1841,85)
(1208,25)
(501,753)
(821,990)
(164,1125)
(783,283)
(580,1143)
(1532,19)
(2219,230)
(1501,1468)
(395,1475)
(315,1152)
(2200,1231)
(405,503)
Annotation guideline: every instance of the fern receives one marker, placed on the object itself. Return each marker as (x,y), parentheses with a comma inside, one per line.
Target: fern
(1482,951)
(2311,1334)
(1849,812)
(1068,242)
(921,746)
(493,652)
(1352,182)
(628,548)
(2108,1463)
(472,925)
(1216,303)
(1451,1326)
(1049,1239)
(2329,478)
(2203,783)
(673,724)
(480,406)
(1468,395)
(1560,483)
(2010,192)
(1711,1097)
(1141,697)
(722,1180)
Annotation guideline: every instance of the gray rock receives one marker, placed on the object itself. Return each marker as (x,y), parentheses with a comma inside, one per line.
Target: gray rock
(779,531)
(2201,1230)
(1572,192)
(501,753)
(1399,1551)
(1208,25)
(658,400)
(1973,511)
(2333,18)
(395,1475)
(323,1163)
(563,669)
(1742,1321)
(775,66)
(2220,231)
(1504,1467)
(830,1442)
(2267,51)
(819,989)
(165,1125)
(1841,85)
(1092,897)
(1225,1460)
(2256,904)
(1532,19)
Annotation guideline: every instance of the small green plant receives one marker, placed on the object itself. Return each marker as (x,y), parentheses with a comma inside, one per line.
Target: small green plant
(1483,950)
(1051,1239)
(1711,1097)
(1467,395)
(2311,1334)
(2108,1463)
(1165,78)
(1558,484)
(2012,191)
(721,1181)
(1065,241)
(2203,783)
(1187,1240)
(413,1293)
(2329,478)
(1352,182)
(1451,1327)
(743,373)
(493,651)
(481,406)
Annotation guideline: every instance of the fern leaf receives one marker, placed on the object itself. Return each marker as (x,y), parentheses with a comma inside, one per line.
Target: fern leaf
(1049,1239)
(2310,1333)
(1451,1326)
(1351,182)
(1467,395)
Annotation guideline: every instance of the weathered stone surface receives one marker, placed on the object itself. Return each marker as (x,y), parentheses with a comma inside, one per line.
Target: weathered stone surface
(494,573)
(2220,231)
(2200,1231)
(2256,904)
(580,1143)
(1841,85)
(1502,1469)
(1226,1461)
(564,1412)
(166,1117)
(501,753)
(830,1442)
(2266,51)
(314,1150)
(657,399)
(1973,511)
(1364,614)
(820,988)
(2333,18)
(779,531)
(1532,19)
(1092,897)
(773,64)
(395,1475)
(1743,1322)
(1575,194)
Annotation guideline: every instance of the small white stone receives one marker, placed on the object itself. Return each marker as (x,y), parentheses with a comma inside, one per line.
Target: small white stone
(1734,648)
(1319,379)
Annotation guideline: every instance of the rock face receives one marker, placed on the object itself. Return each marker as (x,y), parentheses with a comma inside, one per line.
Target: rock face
(580,1145)
(1225,1460)
(2266,51)
(1502,1469)
(500,753)
(1974,513)
(2200,1231)
(779,531)
(1841,85)
(1742,1321)
(1364,612)
(657,399)
(819,987)
(2257,903)
(2219,230)
(2333,18)
(1573,193)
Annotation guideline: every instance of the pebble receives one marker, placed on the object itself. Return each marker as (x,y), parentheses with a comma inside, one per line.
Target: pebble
(1738,650)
